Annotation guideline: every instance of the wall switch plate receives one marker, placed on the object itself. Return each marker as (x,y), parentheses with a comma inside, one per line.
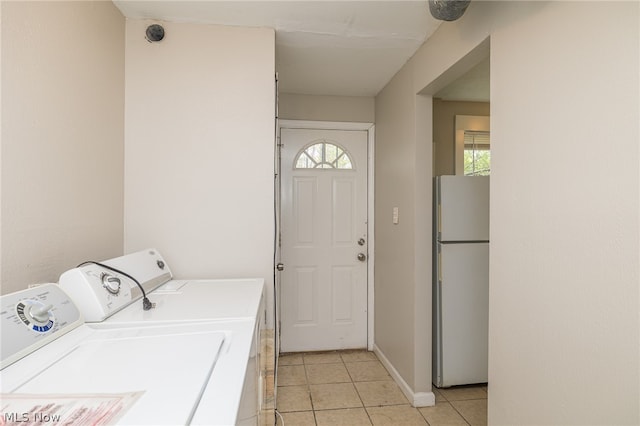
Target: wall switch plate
(395,216)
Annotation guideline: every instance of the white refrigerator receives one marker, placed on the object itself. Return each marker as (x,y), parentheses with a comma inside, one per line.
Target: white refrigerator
(461,280)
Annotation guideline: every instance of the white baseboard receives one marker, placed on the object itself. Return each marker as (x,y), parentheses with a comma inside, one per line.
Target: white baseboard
(417,399)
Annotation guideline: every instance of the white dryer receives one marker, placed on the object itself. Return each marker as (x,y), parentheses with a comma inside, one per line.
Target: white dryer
(106,291)
(102,289)
(54,367)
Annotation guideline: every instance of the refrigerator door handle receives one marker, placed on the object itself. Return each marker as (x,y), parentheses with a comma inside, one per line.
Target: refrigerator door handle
(439,265)
(439,216)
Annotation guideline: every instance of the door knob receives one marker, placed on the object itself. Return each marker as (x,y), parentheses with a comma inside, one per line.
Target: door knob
(280,266)
(362,257)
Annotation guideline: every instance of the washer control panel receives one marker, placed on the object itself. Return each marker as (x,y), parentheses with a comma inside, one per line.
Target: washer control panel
(36,315)
(32,318)
(100,292)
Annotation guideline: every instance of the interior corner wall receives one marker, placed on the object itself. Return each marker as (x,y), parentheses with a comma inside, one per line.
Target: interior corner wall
(444,114)
(326,108)
(564,272)
(423,246)
(395,171)
(403,261)
(62,138)
(199,149)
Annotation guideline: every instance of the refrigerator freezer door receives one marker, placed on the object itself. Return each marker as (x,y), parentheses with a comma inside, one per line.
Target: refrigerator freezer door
(462,212)
(463,323)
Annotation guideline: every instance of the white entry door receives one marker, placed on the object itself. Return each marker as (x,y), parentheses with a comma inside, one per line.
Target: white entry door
(323,239)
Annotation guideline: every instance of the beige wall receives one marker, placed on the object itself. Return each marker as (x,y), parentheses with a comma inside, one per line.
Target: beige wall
(62,137)
(395,169)
(444,114)
(558,237)
(326,108)
(564,285)
(199,149)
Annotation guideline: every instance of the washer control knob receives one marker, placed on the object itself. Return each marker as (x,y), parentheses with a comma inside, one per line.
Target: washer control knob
(40,313)
(110,283)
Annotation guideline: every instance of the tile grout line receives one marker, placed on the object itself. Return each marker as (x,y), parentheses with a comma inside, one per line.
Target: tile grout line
(352,382)
(306,378)
(357,392)
(458,411)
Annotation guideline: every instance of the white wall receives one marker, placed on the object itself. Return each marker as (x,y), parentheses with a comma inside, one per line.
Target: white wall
(199,148)
(564,345)
(62,138)
(564,301)
(326,108)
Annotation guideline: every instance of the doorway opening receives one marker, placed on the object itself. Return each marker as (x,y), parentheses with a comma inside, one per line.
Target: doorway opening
(460,118)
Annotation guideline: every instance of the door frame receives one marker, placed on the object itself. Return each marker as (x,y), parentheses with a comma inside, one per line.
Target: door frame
(370,129)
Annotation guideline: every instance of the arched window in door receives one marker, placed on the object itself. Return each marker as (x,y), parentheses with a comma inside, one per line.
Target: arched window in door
(323,155)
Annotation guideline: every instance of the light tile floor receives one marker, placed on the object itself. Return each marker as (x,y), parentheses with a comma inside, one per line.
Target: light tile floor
(353,388)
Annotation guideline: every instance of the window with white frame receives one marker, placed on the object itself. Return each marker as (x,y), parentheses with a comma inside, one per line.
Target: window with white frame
(477,153)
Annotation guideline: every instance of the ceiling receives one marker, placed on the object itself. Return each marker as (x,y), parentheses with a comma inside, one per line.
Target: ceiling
(472,86)
(344,48)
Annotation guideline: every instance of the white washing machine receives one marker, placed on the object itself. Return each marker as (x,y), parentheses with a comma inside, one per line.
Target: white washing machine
(54,367)
(106,294)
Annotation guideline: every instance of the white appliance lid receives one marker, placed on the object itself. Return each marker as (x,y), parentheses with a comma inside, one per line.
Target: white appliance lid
(172,366)
(199,300)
